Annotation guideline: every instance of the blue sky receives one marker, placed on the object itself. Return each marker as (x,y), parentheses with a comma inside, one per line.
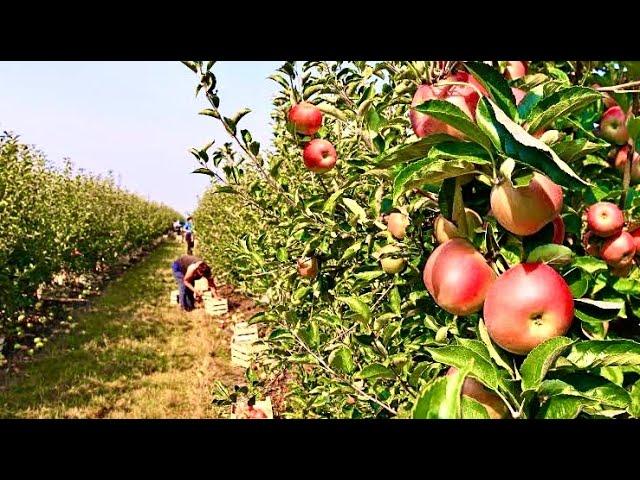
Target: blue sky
(138,119)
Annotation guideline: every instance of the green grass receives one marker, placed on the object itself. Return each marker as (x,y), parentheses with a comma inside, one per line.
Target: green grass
(131,355)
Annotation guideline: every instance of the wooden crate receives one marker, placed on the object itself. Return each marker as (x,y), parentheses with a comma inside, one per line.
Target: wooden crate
(243,332)
(174,299)
(264,405)
(215,307)
(201,284)
(242,353)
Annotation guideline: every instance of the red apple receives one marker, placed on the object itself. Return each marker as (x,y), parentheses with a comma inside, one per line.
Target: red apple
(558,231)
(397,224)
(319,156)
(305,118)
(613,126)
(636,239)
(619,249)
(525,210)
(525,306)
(308,267)
(471,95)
(425,125)
(515,70)
(457,276)
(622,270)
(474,389)
(518,94)
(605,219)
(621,161)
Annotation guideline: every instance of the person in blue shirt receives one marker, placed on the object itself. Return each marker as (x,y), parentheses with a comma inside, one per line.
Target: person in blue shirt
(188,235)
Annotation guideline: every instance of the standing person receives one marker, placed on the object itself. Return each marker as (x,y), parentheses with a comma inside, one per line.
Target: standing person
(188,235)
(186,270)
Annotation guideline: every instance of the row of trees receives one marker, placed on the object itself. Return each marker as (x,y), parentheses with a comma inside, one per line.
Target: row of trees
(502,160)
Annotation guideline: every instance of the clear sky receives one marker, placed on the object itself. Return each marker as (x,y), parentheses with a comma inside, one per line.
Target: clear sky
(137,119)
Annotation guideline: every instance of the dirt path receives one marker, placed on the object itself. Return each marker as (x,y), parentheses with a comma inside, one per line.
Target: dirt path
(132,355)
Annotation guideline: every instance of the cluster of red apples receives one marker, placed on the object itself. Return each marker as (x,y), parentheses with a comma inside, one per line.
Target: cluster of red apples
(319,156)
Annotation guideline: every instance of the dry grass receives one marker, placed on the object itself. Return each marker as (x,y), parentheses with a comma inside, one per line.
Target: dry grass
(131,356)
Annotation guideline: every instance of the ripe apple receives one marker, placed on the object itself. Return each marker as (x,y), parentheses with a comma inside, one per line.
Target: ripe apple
(518,94)
(397,224)
(619,249)
(444,230)
(526,305)
(604,219)
(622,270)
(471,95)
(515,70)
(491,401)
(558,231)
(425,125)
(613,126)
(525,210)
(621,161)
(305,118)
(319,156)
(458,277)
(636,238)
(390,264)
(308,267)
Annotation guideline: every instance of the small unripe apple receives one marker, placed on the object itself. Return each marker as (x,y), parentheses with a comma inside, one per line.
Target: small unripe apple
(319,156)
(613,126)
(397,224)
(605,219)
(445,230)
(308,267)
(618,250)
(391,264)
(305,118)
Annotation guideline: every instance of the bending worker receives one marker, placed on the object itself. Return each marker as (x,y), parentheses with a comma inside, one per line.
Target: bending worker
(186,270)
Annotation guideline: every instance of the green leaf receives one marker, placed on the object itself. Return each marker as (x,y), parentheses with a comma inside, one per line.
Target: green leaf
(330,204)
(578,282)
(238,116)
(311,334)
(472,409)
(559,104)
(633,127)
(495,84)
(551,254)
(605,353)
(205,171)
(428,171)
(375,371)
(515,142)
(342,360)
(627,286)
(209,113)
(467,151)
(452,115)
(459,357)
(358,307)
(369,275)
(573,150)
(562,407)
(589,264)
(537,363)
(587,386)
(394,300)
(356,209)
(634,407)
(596,311)
(412,151)
(351,251)
(493,351)
(446,196)
(332,111)
(441,398)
